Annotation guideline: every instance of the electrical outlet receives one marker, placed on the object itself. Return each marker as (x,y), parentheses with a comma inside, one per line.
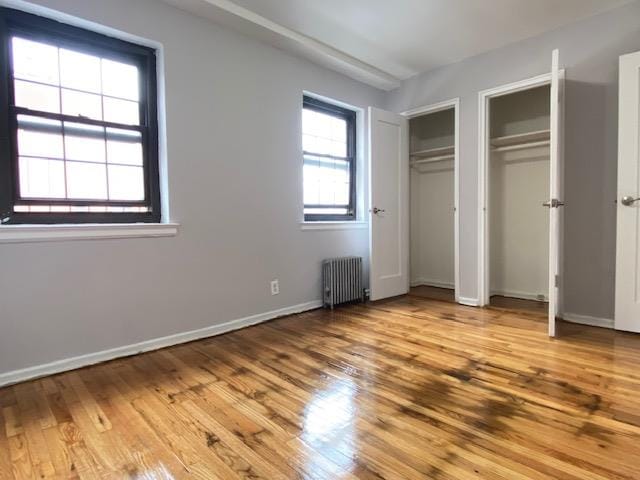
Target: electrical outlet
(275,287)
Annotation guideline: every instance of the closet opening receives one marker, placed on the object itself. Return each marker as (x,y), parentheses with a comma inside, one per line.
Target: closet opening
(518,183)
(433,133)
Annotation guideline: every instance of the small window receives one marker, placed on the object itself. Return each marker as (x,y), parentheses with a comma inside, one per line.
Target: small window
(79,125)
(329,151)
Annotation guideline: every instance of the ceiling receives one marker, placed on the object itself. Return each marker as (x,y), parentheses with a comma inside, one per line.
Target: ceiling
(383,42)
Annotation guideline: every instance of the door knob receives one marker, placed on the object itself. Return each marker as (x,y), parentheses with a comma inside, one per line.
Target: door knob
(554,203)
(628,201)
(377,210)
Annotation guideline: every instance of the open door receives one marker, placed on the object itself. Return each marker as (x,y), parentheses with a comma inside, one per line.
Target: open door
(389,204)
(627,316)
(556,192)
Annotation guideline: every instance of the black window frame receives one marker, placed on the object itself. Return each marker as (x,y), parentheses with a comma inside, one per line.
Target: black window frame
(26,25)
(350,116)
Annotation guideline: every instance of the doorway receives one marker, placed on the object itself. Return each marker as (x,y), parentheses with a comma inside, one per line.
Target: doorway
(520,186)
(434,154)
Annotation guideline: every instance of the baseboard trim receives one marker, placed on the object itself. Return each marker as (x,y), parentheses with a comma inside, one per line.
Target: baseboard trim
(425,282)
(469,302)
(59,366)
(520,295)
(588,320)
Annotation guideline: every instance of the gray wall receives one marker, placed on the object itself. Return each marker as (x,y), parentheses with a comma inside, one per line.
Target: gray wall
(589,53)
(235,179)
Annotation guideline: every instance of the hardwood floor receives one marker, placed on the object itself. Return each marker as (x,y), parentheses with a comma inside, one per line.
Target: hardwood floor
(402,389)
(434,293)
(498,301)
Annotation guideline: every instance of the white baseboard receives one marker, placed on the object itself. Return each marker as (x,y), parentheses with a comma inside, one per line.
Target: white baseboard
(521,295)
(587,320)
(419,282)
(16,376)
(470,302)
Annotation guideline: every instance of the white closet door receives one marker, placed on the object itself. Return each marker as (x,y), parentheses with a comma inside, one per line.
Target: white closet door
(627,316)
(389,207)
(556,192)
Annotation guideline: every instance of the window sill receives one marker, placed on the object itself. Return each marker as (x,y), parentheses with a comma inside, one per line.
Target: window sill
(350,225)
(59,233)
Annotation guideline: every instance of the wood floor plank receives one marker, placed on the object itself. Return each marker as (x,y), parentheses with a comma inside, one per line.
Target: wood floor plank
(409,388)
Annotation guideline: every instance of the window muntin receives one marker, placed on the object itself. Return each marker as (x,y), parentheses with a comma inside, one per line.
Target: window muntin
(328,143)
(82,122)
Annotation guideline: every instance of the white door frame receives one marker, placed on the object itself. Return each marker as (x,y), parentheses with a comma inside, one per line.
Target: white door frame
(484,145)
(433,108)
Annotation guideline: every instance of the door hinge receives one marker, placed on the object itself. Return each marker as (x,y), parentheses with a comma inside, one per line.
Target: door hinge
(557,281)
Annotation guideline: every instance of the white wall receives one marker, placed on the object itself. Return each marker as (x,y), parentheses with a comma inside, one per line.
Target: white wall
(235,185)
(432,226)
(518,224)
(589,52)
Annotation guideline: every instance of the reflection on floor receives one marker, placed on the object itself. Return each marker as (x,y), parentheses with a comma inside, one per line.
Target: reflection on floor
(434,293)
(498,301)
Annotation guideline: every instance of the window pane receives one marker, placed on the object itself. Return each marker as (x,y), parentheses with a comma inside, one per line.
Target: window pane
(326,181)
(324,134)
(337,149)
(37,97)
(79,104)
(41,178)
(35,61)
(124,146)
(120,80)
(80,71)
(39,137)
(311,181)
(84,142)
(326,211)
(87,181)
(126,183)
(121,111)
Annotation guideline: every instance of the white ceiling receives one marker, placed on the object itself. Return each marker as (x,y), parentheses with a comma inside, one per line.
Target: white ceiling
(384,41)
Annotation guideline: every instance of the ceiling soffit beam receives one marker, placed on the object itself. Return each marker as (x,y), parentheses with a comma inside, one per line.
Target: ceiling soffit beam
(290,40)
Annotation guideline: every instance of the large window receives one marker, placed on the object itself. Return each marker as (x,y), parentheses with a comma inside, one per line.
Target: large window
(329,144)
(78,125)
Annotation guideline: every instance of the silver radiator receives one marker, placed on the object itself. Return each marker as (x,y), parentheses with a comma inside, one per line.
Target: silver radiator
(342,280)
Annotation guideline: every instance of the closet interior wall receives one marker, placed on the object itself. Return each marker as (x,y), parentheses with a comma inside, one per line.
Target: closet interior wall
(518,185)
(432,199)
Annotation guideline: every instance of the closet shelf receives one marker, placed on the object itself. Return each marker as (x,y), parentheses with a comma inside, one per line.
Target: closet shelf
(434,152)
(521,141)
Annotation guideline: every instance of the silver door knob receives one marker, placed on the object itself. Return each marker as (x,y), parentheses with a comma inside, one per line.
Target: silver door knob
(628,201)
(553,203)
(377,210)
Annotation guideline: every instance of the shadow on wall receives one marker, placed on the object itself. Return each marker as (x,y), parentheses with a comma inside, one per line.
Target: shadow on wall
(590,194)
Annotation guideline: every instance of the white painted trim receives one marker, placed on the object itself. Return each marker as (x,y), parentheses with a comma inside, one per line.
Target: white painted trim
(587,320)
(469,302)
(72,363)
(334,225)
(433,108)
(425,282)
(60,232)
(483,177)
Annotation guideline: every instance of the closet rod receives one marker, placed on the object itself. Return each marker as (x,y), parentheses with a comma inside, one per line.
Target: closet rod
(442,158)
(522,146)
